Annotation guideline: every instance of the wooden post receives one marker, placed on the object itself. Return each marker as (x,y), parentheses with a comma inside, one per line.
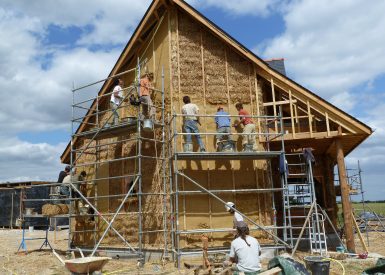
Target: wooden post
(346,207)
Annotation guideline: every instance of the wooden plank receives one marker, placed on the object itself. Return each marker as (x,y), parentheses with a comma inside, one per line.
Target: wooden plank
(205,123)
(273,271)
(282,102)
(258,103)
(359,233)
(251,77)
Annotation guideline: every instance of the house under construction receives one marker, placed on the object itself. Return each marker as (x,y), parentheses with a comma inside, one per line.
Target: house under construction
(148,194)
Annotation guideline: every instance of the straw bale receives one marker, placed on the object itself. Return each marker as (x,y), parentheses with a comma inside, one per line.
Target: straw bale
(127,225)
(54,209)
(239,84)
(190,59)
(215,70)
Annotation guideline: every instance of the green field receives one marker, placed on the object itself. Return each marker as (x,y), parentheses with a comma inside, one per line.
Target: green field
(378,207)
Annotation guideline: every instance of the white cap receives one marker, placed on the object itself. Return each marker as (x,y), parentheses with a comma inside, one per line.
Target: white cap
(228,205)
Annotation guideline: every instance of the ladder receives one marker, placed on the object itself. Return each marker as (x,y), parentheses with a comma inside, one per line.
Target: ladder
(298,197)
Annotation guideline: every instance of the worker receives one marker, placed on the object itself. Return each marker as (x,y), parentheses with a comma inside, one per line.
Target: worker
(148,111)
(248,128)
(116,99)
(244,252)
(63,174)
(223,123)
(230,206)
(191,121)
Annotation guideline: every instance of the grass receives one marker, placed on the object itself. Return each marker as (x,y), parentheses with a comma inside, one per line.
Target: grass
(378,207)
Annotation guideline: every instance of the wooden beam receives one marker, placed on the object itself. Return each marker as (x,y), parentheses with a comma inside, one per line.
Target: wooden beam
(346,206)
(306,135)
(279,102)
(274,110)
(310,119)
(257,103)
(359,233)
(327,123)
(291,114)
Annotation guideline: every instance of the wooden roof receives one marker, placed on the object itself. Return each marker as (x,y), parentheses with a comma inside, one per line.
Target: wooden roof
(359,128)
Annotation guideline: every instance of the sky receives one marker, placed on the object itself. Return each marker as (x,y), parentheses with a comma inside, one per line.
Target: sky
(334,48)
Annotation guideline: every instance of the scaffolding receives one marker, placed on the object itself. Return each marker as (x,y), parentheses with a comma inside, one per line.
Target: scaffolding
(90,145)
(178,154)
(99,135)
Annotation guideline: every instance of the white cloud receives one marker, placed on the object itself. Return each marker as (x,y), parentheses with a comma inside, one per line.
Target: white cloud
(22,160)
(331,46)
(37,96)
(241,7)
(110,22)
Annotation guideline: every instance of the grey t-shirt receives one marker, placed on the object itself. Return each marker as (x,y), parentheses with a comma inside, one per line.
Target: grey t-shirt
(247,256)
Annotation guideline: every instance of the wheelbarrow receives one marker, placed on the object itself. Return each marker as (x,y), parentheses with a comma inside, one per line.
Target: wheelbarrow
(86,265)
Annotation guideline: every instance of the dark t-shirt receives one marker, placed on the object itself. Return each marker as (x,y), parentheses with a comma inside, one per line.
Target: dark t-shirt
(62,175)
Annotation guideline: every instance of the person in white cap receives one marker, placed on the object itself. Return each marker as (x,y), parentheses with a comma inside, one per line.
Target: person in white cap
(237,217)
(244,252)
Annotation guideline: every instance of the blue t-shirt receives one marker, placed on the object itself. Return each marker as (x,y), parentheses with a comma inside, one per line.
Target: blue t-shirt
(222,121)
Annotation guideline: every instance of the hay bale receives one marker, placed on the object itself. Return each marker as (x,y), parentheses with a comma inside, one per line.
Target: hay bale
(54,209)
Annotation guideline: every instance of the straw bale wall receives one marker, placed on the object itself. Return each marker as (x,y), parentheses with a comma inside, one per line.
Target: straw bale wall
(212,74)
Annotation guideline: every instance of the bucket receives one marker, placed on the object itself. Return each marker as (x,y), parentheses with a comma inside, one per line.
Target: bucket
(317,265)
(340,249)
(30,229)
(148,125)
(187,147)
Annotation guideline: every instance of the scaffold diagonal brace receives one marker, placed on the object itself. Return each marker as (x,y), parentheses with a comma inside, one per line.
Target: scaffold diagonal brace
(243,215)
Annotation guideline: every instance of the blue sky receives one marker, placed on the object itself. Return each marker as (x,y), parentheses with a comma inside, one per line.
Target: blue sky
(330,47)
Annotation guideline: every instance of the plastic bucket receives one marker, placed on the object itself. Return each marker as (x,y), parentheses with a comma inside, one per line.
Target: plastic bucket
(187,147)
(148,125)
(340,249)
(317,265)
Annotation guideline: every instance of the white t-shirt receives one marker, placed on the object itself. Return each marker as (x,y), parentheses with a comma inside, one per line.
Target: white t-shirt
(115,99)
(247,256)
(191,110)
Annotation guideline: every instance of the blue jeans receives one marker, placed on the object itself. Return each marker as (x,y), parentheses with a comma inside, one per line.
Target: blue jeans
(191,126)
(223,133)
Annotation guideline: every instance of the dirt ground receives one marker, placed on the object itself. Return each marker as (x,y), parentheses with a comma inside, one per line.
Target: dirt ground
(45,263)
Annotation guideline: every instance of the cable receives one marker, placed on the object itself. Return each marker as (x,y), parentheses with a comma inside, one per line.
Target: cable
(334,260)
